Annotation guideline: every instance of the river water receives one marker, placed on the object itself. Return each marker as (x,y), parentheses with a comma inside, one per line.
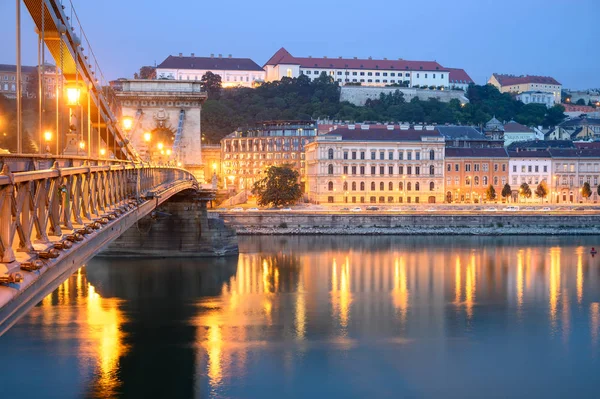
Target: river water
(300,317)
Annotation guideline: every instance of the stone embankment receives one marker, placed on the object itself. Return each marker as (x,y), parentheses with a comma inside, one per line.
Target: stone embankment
(259,223)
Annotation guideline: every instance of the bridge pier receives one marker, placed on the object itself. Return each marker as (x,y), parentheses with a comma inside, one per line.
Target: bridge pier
(180,227)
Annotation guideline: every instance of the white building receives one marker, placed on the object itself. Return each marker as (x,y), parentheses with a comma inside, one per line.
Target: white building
(531,167)
(572,168)
(383,164)
(367,72)
(521,84)
(514,131)
(536,97)
(233,71)
(459,79)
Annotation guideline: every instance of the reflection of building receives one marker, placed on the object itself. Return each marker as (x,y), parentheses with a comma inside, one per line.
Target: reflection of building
(233,71)
(386,164)
(520,84)
(248,151)
(470,171)
(367,72)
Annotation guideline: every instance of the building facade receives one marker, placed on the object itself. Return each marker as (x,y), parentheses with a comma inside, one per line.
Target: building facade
(531,167)
(459,79)
(247,152)
(514,131)
(470,171)
(521,84)
(8,81)
(571,169)
(233,71)
(366,72)
(375,166)
(536,97)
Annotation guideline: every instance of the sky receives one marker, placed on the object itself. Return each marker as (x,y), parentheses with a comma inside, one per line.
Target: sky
(554,38)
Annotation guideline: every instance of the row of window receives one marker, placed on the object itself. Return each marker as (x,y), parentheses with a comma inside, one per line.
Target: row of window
(476,167)
(347,73)
(530,168)
(475,181)
(5,87)
(382,186)
(382,170)
(382,155)
(382,199)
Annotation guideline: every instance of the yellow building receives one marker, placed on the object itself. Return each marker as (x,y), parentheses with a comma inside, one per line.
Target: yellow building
(521,84)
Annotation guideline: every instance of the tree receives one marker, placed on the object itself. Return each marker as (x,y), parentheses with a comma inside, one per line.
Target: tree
(146,72)
(506,191)
(598,189)
(279,187)
(525,191)
(581,101)
(554,115)
(586,191)
(211,83)
(541,191)
(490,193)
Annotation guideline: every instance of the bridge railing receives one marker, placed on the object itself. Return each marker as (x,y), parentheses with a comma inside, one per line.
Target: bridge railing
(37,204)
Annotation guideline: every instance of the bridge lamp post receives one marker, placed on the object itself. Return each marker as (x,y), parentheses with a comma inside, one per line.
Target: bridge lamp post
(47,140)
(73,95)
(127,124)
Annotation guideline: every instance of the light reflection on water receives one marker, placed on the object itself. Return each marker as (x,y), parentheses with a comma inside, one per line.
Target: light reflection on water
(323,316)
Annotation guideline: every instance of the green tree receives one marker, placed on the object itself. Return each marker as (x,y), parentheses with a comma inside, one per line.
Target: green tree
(541,190)
(279,187)
(506,191)
(146,72)
(581,101)
(211,83)
(554,115)
(490,193)
(586,191)
(525,191)
(598,189)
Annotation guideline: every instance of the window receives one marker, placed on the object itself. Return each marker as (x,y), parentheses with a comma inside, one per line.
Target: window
(373,168)
(385,74)
(495,180)
(476,180)
(417,170)
(476,167)
(381,170)
(330,186)
(432,155)
(372,186)
(372,154)
(306,72)
(431,186)
(381,186)
(330,169)
(382,155)
(289,72)
(345,170)
(394,74)
(353,154)
(400,155)
(408,186)
(425,76)
(545,168)
(537,168)
(391,155)
(362,170)
(362,74)
(449,167)
(484,180)
(376,73)
(529,168)
(354,170)
(353,186)
(330,199)
(456,167)
(417,186)
(362,188)
(431,170)
(330,153)
(484,167)
(362,155)
(523,168)
(353,73)
(400,186)
(434,75)
(339,72)
(467,167)
(370,73)
(409,170)
(409,155)
(495,167)
(400,170)
(390,186)
(390,170)
(418,156)
(345,186)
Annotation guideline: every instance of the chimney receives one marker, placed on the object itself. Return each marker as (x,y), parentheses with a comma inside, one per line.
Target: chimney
(229,55)
(212,56)
(220,55)
(370,57)
(310,56)
(181,54)
(340,57)
(385,59)
(193,55)
(325,56)
(355,58)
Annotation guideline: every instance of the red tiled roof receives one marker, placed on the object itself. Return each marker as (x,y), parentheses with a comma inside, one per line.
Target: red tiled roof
(464,152)
(282,56)
(210,63)
(381,134)
(514,127)
(578,108)
(509,80)
(459,76)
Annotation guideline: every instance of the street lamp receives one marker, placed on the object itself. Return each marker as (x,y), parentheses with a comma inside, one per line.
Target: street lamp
(160,146)
(102,152)
(127,124)
(147,137)
(47,139)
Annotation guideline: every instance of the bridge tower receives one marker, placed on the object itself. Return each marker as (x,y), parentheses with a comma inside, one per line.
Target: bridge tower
(164,120)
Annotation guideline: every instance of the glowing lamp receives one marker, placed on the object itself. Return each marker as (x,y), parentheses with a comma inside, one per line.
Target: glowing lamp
(102,151)
(73,95)
(127,123)
(179,164)
(47,136)
(214,166)
(168,152)
(147,136)
(160,146)
(82,145)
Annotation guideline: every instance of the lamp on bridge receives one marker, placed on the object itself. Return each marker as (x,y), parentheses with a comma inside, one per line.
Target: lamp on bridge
(47,139)
(127,124)
(73,95)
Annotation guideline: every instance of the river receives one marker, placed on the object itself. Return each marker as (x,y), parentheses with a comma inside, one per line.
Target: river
(321,316)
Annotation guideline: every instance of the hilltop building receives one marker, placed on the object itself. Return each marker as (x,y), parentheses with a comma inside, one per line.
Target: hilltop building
(233,71)
(366,72)
(528,83)
(8,80)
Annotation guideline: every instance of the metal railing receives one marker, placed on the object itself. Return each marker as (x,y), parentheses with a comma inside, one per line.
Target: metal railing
(73,196)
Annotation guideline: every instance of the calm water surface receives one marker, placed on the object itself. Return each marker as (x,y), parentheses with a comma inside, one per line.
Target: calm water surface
(300,317)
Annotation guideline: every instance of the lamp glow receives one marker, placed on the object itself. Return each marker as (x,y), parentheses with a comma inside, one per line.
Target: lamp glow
(102,151)
(127,123)
(47,136)
(147,136)
(73,94)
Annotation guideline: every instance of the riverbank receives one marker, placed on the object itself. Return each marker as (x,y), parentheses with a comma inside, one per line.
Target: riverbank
(263,223)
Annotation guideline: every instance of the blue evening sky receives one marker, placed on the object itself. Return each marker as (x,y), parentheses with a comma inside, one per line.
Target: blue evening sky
(543,37)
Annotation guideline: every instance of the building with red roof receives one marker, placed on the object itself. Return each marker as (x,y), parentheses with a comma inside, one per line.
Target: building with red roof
(526,83)
(366,72)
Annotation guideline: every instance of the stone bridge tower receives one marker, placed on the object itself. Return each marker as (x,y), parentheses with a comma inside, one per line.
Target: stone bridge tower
(162,120)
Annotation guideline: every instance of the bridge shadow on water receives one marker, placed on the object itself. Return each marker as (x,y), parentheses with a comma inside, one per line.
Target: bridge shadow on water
(158,301)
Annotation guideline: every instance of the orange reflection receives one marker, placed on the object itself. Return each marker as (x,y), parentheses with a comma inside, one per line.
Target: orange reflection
(345,296)
(554,286)
(594,323)
(470,287)
(579,274)
(519,279)
(457,282)
(400,291)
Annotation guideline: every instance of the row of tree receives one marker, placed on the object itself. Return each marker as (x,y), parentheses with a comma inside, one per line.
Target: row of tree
(301,98)
(541,191)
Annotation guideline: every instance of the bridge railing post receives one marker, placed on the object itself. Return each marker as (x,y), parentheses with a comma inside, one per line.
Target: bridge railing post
(6,223)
